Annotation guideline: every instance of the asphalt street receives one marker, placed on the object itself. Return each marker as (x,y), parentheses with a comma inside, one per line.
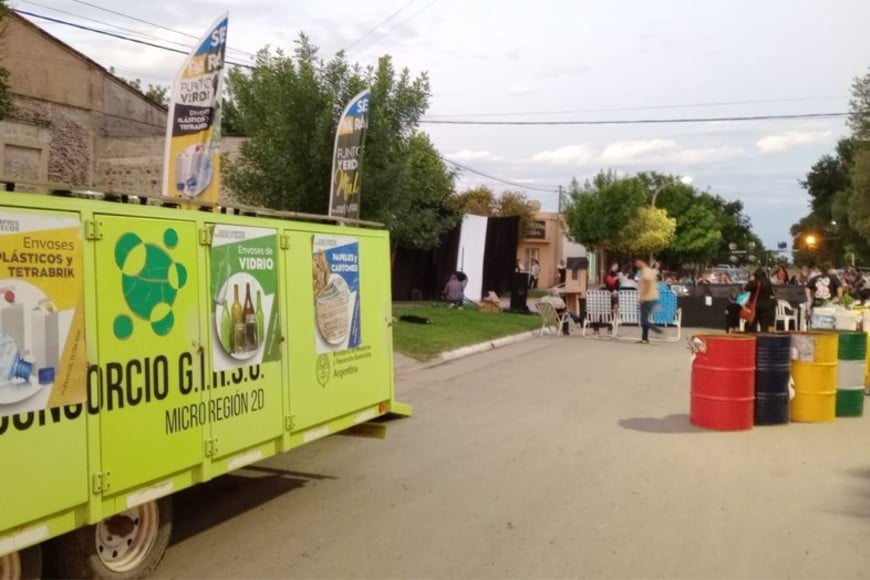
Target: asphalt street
(552,457)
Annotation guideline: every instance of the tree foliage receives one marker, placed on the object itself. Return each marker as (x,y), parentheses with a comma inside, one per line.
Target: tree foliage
(288,107)
(483,201)
(685,227)
(838,185)
(5,95)
(475,201)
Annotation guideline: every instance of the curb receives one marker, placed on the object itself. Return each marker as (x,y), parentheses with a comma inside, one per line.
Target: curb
(452,355)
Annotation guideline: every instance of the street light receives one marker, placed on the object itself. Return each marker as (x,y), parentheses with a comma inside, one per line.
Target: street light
(685,180)
(750,256)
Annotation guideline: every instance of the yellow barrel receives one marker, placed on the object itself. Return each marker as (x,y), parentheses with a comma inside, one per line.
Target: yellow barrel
(814,370)
(867,376)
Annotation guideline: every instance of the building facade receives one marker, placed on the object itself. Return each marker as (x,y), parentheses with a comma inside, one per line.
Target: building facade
(74,124)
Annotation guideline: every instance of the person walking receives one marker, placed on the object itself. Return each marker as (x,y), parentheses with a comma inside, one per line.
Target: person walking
(648,295)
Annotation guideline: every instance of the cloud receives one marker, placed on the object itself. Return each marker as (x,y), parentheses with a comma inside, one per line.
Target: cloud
(466,155)
(568,155)
(630,150)
(637,152)
(790,140)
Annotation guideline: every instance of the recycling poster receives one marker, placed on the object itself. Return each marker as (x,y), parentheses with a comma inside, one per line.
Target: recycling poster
(42,344)
(335,271)
(244,288)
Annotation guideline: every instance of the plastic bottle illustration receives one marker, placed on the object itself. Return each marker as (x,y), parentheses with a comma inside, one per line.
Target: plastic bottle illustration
(250,321)
(13,368)
(12,316)
(238,322)
(260,319)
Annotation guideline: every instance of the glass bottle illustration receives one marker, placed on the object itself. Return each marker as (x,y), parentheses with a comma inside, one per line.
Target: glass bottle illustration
(260,318)
(250,321)
(226,328)
(13,368)
(238,322)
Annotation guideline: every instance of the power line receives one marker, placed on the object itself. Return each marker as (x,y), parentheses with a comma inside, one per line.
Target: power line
(643,121)
(499,179)
(381,23)
(411,17)
(154,24)
(119,36)
(94,20)
(640,108)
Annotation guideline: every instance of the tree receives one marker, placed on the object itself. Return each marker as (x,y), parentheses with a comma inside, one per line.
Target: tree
(859,108)
(597,214)
(649,230)
(475,201)
(288,107)
(5,95)
(157,93)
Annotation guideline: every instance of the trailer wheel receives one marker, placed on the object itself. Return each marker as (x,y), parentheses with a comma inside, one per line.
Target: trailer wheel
(127,545)
(26,563)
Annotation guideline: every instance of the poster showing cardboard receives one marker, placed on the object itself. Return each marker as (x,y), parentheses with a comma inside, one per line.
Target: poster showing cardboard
(42,343)
(335,272)
(244,288)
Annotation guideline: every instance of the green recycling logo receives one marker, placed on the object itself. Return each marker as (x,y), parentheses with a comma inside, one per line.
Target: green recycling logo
(150,282)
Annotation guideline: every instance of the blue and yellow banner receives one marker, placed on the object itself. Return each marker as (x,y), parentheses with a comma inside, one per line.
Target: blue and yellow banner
(344,198)
(191,162)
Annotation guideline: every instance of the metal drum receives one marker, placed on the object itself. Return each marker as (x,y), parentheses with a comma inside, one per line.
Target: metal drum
(772,374)
(851,373)
(814,370)
(723,382)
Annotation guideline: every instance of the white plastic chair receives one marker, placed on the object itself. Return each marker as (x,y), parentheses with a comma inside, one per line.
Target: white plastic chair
(599,310)
(786,314)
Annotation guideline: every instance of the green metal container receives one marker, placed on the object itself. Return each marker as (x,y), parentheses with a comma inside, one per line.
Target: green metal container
(850,403)
(853,345)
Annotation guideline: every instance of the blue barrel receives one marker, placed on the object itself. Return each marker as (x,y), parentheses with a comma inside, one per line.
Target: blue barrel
(772,372)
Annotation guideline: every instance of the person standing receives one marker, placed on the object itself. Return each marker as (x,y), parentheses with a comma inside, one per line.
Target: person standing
(761,290)
(534,273)
(648,295)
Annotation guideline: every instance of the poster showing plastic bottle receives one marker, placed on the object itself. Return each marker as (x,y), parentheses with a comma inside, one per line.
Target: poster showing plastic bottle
(335,270)
(244,288)
(42,344)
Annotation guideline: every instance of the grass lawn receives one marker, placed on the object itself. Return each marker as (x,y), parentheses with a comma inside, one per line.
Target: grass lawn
(452,328)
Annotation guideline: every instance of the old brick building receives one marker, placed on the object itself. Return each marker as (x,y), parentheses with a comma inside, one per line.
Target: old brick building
(74,123)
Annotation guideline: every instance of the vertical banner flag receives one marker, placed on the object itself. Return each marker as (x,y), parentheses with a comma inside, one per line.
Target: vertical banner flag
(191,159)
(344,192)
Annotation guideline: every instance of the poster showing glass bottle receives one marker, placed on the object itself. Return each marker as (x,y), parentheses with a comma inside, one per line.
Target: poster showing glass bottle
(244,287)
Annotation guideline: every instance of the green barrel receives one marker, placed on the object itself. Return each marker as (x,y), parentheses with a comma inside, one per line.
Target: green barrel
(851,367)
(853,345)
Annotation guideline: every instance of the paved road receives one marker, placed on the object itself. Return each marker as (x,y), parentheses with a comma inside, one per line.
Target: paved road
(552,457)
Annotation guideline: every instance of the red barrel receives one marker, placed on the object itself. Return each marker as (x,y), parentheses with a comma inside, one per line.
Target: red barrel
(723,382)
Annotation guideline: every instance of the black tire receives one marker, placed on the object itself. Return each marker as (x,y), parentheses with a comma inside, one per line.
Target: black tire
(76,554)
(26,563)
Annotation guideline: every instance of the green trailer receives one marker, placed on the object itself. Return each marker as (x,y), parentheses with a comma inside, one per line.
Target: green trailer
(145,348)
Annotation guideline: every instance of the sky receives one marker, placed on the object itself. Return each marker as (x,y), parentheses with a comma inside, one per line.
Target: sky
(563,61)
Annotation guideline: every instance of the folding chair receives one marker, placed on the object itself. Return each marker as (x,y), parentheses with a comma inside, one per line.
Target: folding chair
(551,318)
(668,314)
(599,310)
(629,308)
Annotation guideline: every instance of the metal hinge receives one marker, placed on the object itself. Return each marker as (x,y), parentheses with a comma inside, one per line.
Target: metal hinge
(285,242)
(206,235)
(100,482)
(92,230)
(211,447)
(289,422)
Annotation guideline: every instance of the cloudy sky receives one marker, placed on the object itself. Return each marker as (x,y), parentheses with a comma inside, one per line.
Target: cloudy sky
(560,60)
